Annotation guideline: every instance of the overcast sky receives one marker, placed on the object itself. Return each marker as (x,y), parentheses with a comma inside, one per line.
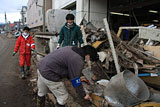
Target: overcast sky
(12,9)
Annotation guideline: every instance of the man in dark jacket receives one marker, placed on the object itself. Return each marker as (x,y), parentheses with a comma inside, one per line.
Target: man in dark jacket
(63,63)
(70,33)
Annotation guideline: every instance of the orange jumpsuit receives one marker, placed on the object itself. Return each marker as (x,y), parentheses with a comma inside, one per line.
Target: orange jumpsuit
(24,44)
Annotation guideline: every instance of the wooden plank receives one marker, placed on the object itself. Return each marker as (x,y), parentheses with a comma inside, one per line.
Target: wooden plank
(84,34)
(149,66)
(52,98)
(96,100)
(149,71)
(140,54)
(153,49)
(97,43)
(111,45)
(42,54)
(119,32)
(149,104)
(151,80)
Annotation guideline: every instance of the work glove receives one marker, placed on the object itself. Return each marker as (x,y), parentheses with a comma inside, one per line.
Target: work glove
(32,51)
(82,45)
(13,53)
(58,46)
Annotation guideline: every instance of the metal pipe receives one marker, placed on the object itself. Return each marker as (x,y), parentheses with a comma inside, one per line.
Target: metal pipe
(89,3)
(44,6)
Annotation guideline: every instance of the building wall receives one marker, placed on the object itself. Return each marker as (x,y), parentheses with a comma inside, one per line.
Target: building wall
(24,15)
(35,13)
(59,4)
(96,13)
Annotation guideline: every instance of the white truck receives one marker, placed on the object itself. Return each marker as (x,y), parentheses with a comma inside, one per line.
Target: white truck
(46,42)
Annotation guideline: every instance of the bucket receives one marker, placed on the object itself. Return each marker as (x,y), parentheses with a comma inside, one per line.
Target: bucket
(126,89)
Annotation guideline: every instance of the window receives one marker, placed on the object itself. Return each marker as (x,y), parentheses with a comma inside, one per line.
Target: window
(39,12)
(25,20)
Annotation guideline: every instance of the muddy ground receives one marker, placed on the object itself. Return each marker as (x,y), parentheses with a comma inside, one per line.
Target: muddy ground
(14,92)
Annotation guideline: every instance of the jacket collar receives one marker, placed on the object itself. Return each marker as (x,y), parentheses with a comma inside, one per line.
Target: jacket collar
(25,37)
(69,27)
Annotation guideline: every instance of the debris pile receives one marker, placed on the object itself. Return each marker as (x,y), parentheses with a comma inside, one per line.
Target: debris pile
(128,55)
(140,56)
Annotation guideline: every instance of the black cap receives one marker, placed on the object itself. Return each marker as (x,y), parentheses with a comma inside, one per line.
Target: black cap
(88,49)
(70,17)
(26,28)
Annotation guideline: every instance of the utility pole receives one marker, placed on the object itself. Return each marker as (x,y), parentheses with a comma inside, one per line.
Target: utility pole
(6,24)
(22,13)
(19,25)
(5,18)
(23,18)
(44,15)
(115,58)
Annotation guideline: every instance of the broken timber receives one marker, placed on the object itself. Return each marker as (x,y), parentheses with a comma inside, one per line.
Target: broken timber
(111,45)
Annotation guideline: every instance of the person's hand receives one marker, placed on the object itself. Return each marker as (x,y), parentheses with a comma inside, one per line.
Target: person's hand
(82,45)
(87,97)
(13,53)
(32,51)
(58,46)
(83,79)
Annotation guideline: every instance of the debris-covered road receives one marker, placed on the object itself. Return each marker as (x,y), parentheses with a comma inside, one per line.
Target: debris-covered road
(14,92)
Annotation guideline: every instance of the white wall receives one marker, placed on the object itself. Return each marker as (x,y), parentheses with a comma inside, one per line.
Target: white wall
(59,4)
(34,14)
(98,11)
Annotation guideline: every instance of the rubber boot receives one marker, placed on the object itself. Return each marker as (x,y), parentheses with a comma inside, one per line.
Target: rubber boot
(41,101)
(58,105)
(27,71)
(22,73)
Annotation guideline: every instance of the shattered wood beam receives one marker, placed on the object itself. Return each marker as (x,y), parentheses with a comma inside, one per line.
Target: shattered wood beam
(140,54)
(119,32)
(42,54)
(84,35)
(115,39)
(100,66)
(98,101)
(111,45)
(52,98)
(148,54)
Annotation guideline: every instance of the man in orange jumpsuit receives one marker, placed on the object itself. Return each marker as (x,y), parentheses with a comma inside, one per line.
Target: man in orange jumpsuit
(26,46)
